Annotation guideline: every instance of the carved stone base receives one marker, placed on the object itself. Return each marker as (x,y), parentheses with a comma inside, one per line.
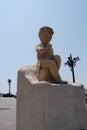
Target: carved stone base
(46,106)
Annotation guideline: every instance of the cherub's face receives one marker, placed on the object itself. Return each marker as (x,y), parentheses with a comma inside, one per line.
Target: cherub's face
(45,36)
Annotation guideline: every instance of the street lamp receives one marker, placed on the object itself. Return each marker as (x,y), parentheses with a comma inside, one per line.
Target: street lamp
(9,83)
(71,62)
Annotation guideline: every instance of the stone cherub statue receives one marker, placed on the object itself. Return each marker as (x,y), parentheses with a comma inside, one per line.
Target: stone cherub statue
(48,65)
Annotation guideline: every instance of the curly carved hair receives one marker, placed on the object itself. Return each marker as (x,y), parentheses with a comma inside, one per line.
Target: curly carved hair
(46,28)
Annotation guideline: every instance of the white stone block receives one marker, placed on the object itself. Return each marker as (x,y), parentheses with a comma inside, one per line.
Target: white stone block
(45,106)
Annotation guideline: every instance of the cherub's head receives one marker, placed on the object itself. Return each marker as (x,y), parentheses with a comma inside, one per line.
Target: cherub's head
(45,34)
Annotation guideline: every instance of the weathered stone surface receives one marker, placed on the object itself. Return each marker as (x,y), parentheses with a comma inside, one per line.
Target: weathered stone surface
(45,106)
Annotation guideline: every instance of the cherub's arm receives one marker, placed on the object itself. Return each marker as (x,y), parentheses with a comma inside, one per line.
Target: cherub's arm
(42,51)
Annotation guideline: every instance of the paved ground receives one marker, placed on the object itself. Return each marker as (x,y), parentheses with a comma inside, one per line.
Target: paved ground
(7,113)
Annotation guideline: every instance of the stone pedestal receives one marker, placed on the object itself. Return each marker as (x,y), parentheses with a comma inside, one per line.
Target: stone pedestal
(45,106)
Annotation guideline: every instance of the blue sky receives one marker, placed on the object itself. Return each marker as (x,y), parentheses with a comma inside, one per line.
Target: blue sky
(20,21)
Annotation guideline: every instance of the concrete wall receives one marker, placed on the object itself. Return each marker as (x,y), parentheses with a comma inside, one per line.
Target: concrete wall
(44,106)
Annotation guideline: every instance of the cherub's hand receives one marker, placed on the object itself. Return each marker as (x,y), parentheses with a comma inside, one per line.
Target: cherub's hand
(49,46)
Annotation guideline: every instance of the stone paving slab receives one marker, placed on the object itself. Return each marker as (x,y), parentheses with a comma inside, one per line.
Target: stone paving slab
(7,113)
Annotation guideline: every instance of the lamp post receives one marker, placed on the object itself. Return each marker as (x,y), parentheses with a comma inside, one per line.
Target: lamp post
(9,83)
(71,62)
